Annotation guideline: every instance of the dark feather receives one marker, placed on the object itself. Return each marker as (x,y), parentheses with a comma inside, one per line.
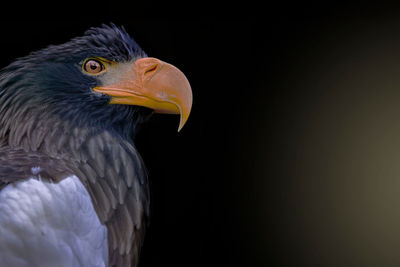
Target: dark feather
(49,117)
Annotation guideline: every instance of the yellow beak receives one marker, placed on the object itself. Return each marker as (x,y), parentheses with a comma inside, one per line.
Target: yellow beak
(154,84)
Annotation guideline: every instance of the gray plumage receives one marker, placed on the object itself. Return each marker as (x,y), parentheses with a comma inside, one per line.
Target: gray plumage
(48,119)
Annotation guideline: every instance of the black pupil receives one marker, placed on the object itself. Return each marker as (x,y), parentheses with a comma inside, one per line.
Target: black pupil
(94,65)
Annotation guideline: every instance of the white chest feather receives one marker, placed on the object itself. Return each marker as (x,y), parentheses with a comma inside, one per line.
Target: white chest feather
(46,224)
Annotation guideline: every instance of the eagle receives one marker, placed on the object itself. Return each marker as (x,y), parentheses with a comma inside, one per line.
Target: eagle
(73,188)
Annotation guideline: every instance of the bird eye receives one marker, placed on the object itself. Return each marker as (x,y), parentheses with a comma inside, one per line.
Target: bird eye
(93,66)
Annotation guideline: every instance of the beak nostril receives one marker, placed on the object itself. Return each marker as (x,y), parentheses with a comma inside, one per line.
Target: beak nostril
(151,69)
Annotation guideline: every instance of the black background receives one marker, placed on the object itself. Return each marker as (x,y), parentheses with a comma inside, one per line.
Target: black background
(290,155)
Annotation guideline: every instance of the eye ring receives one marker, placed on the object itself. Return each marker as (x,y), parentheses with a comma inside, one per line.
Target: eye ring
(93,66)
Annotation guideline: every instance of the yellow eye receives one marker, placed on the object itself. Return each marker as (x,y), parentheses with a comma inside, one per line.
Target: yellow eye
(93,66)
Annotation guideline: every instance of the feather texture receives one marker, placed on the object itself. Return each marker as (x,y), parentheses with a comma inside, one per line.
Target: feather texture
(50,224)
(121,208)
(54,127)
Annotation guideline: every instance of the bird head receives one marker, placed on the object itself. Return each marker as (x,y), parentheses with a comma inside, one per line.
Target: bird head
(102,78)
